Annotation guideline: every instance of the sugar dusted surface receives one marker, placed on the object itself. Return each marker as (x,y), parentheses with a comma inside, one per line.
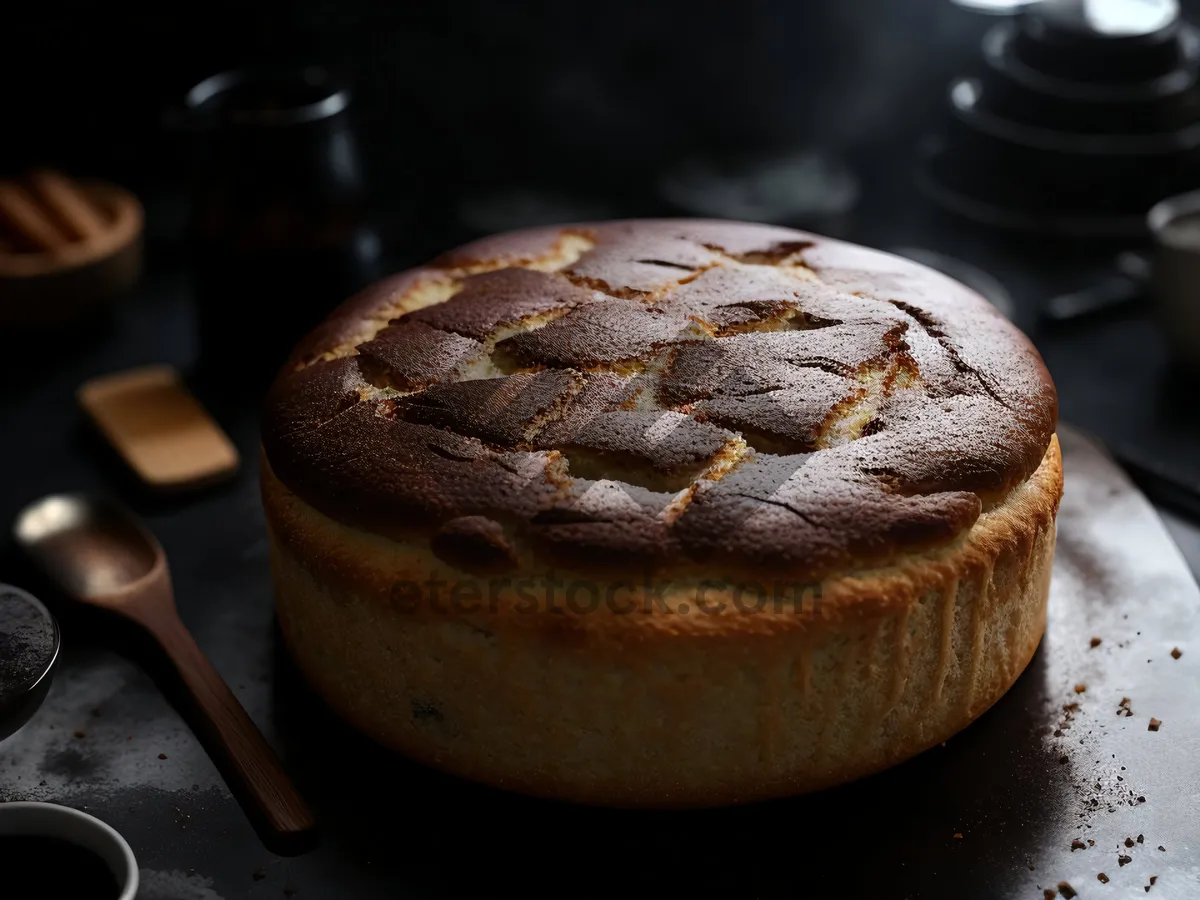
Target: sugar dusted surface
(740,394)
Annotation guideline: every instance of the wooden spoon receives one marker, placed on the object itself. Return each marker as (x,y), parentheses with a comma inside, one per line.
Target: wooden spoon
(100,554)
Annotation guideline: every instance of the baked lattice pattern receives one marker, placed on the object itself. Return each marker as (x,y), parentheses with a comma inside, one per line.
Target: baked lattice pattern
(662,388)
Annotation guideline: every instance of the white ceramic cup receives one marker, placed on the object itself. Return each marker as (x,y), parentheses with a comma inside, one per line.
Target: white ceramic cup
(52,820)
(1177,274)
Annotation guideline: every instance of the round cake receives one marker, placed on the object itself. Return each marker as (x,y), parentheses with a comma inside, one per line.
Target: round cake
(662,512)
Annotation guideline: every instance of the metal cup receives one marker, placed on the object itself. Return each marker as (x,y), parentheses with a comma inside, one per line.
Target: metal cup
(279,224)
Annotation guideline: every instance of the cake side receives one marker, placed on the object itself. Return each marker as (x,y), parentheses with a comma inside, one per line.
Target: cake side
(656,705)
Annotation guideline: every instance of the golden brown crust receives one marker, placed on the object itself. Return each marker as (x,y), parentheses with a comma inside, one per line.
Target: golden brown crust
(665,393)
(661,705)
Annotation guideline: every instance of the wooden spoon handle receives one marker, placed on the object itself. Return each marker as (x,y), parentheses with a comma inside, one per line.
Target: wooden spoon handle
(248,756)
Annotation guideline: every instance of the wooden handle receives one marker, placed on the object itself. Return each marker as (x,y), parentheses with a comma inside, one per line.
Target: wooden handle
(249,758)
(159,428)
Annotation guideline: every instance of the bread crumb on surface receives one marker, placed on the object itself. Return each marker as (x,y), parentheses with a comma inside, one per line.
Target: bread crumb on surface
(958,835)
(1077,844)
(1154,724)
(1124,860)
(1066,890)
(1102,878)
(1049,893)
(1176,653)
(1095,642)
(1080,688)
(1128,842)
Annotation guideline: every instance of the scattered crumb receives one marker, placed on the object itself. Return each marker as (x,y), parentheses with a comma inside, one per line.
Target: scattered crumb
(1066,890)
(1063,760)
(1176,653)
(1162,848)
(1124,860)
(1141,839)
(1128,842)
(1080,688)
(1078,845)
(1102,878)
(1141,799)
(79,733)
(1153,879)
(1095,642)
(162,756)
(259,874)
(1154,723)
(958,835)
(1049,893)
(1091,843)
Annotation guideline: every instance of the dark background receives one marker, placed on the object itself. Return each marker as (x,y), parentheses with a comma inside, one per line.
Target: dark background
(495,91)
(593,98)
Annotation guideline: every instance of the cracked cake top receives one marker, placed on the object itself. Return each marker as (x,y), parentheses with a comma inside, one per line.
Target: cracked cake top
(661,392)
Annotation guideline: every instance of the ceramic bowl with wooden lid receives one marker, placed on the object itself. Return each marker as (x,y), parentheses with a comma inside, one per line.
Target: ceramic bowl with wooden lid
(67,248)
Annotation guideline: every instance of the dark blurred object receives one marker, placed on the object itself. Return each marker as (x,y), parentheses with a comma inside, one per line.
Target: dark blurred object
(809,190)
(514,208)
(1126,283)
(1175,224)
(1083,116)
(1165,485)
(68,249)
(278,223)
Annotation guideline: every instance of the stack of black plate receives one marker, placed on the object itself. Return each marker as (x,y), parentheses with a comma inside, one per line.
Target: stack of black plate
(1083,116)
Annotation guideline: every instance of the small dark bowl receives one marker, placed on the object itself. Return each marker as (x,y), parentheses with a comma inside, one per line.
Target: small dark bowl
(18,709)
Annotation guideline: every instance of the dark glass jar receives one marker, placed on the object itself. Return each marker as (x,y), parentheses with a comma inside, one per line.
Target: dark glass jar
(279,233)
